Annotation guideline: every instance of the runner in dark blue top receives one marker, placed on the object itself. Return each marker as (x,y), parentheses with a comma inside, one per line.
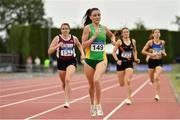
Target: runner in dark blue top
(155,60)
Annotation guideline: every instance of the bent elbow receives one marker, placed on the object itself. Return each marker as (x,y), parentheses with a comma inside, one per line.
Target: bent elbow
(49,52)
(143,52)
(113,53)
(83,45)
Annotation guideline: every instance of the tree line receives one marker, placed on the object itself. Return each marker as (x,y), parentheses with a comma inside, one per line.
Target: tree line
(26,30)
(33,41)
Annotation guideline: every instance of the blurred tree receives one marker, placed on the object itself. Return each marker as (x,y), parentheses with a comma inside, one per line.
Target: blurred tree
(21,12)
(2,45)
(139,25)
(177,22)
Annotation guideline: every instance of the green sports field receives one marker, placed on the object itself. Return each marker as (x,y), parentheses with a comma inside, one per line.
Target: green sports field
(175,79)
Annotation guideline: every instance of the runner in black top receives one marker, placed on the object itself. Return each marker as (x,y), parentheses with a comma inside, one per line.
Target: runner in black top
(127,54)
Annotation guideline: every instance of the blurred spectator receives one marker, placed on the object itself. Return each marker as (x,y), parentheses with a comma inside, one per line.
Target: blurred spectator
(37,62)
(177,59)
(46,65)
(29,64)
(54,64)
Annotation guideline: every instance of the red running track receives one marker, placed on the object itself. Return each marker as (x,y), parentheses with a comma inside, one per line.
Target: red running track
(42,98)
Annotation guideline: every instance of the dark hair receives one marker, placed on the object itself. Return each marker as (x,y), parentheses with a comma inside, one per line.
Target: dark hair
(65,24)
(86,17)
(151,35)
(118,33)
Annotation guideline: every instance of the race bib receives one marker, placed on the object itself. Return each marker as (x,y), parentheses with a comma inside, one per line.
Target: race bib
(126,54)
(157,51)
(97,46)
(67,52)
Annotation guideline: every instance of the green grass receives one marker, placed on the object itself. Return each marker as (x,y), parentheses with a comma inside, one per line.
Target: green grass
(175,79)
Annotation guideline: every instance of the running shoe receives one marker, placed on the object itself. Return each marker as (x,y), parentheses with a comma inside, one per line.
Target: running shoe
(150,83)
(93,110)
(128,102)
(99,110)
(66,105)
(157,98)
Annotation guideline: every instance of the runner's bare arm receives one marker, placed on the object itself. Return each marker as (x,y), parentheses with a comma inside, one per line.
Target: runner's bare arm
(164,51)
(110,35)
(78,44)
(54,45)
(117,44)
(145,49)
(85,41)
(135,52)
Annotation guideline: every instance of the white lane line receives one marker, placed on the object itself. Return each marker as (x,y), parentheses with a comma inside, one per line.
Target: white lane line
(35,81)
(27,91)
(75,100)
(54,93)
(36,98)
(26,81)
(29,86)
(122,103)
(81,98)
(35,85)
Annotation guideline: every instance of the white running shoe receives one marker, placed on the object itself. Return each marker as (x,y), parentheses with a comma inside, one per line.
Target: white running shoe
(157,98)
(150,83)
(128,102)
(93,110)
(66,105)
(99,110)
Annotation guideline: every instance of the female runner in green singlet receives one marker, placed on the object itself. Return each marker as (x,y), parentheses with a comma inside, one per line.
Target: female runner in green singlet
(94,41)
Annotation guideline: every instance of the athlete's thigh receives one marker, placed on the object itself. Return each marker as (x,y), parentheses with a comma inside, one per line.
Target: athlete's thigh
(128,73)
(70,70)
(62,75)
(89,72)
(100,69)
(151,74)
(120,75)
(158,70)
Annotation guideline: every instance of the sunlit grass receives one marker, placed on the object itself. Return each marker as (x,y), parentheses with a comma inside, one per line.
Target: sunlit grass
(175,78)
